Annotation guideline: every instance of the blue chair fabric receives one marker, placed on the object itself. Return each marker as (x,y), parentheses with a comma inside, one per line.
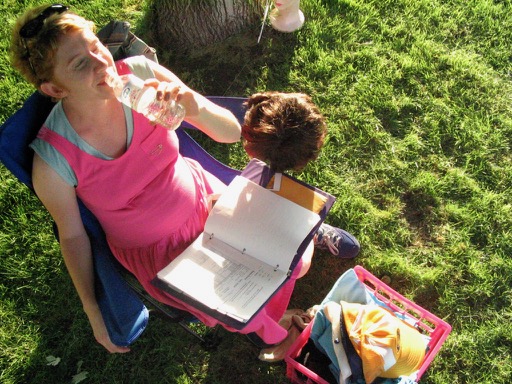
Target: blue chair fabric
(125,314)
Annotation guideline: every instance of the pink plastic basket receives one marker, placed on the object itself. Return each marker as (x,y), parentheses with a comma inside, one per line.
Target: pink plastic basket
(429,324)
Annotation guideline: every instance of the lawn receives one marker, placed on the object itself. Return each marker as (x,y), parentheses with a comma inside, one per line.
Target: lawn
(417,95)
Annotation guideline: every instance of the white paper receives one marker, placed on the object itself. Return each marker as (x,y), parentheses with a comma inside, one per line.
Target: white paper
(264,225)
(237,288)
(245,252)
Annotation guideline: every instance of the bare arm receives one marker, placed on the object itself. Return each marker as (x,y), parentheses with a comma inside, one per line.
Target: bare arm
(60,200)
(217,122)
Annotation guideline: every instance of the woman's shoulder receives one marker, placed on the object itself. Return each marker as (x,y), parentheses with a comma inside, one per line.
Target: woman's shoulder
(57,121)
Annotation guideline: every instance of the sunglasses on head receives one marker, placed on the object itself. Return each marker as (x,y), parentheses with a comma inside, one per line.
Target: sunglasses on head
(33,27)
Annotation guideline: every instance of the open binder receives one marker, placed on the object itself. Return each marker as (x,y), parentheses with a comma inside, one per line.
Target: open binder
(253,238)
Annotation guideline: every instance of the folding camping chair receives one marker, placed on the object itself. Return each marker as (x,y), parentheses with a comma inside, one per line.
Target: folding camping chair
(119,294)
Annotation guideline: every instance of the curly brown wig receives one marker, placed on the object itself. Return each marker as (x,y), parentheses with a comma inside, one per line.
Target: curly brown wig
(286,130)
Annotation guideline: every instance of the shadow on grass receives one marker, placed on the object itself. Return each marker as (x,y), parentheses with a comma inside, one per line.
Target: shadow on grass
(237,65)
(234,67)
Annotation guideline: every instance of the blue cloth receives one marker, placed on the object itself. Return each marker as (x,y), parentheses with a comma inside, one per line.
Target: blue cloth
(124,313)
(125,316)
(350,289)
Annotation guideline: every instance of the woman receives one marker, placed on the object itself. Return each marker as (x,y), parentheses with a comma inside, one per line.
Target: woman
(151,202)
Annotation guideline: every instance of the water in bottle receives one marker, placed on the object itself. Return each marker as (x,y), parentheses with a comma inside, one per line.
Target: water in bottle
(130,90)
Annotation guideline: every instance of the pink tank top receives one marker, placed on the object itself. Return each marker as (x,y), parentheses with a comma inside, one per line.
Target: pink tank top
(140,197)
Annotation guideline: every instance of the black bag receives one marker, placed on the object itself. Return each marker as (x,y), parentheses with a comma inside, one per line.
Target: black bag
(122,43)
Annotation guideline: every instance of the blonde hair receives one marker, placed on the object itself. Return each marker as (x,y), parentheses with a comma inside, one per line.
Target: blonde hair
(34,57)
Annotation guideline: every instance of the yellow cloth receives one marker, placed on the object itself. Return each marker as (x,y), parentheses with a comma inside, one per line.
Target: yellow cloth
(299,194)
(388,346)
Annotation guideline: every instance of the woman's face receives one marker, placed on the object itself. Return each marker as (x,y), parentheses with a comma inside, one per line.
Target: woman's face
(80,64)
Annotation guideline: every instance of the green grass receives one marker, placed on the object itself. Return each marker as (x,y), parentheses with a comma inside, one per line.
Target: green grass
(418,99)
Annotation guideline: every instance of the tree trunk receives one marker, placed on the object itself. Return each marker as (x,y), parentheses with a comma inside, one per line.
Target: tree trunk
(179,25)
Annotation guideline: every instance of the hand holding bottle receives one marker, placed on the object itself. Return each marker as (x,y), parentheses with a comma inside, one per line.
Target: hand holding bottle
(158,106)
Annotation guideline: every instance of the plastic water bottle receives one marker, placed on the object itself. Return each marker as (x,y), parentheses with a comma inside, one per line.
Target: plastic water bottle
(130,90)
